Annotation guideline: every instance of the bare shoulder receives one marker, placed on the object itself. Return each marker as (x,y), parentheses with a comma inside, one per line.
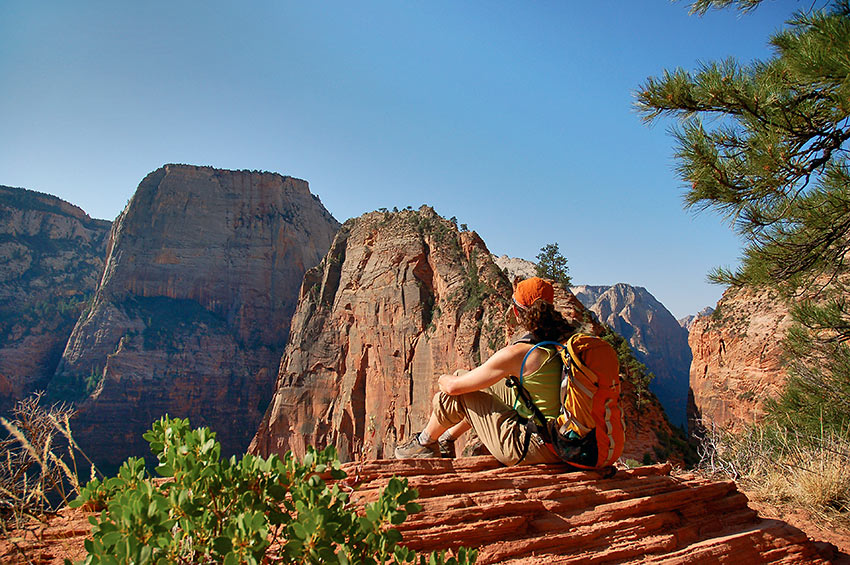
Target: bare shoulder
(510,358)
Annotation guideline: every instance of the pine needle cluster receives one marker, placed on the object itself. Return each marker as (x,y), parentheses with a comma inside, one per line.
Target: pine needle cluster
(766,145)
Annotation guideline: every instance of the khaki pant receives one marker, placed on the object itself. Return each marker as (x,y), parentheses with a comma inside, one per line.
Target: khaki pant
(491,414)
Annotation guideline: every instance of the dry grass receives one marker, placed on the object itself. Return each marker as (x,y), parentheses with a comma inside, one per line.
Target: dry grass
(38,462)
(785,467)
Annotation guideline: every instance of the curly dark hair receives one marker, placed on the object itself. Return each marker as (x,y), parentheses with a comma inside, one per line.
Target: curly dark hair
(545,322)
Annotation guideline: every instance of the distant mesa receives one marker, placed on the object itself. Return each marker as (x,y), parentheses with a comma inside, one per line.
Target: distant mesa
(516,268)
(192,314)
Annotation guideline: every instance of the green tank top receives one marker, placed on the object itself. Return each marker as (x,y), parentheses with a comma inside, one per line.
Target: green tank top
(544,386)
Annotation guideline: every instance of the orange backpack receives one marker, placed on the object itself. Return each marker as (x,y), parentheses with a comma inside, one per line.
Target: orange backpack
(589,432)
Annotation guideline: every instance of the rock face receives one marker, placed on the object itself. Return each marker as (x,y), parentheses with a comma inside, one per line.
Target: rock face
(51,257)
(193,311)
(737,358)
(542,514)
(400,299)
(688,321)
(657,339)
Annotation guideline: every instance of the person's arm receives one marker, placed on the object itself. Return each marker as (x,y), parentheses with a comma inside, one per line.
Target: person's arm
(501,365)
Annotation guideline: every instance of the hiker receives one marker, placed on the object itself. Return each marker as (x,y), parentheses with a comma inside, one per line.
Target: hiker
(481,399)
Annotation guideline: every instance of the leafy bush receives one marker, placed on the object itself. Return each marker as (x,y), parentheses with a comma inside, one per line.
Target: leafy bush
(252,510)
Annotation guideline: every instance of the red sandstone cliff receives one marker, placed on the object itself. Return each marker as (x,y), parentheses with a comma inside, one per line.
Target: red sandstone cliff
(399,299)
(51,257)
(193,310)
(737,357)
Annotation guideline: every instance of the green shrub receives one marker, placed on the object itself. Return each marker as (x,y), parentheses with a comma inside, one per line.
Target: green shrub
(250,510)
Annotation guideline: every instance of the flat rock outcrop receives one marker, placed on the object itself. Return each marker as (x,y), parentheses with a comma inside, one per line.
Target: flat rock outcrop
(536,514)
(193,310)
(737,358)
(400,299)
(542,514)
(51,257)
(656,337)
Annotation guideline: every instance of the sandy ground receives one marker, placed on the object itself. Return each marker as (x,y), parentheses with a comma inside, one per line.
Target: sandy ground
(815,527)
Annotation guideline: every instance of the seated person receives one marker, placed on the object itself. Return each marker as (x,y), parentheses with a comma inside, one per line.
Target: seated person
(480,398)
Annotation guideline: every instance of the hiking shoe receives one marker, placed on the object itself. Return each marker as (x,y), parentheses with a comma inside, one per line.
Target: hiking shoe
(447,449)
(413,450)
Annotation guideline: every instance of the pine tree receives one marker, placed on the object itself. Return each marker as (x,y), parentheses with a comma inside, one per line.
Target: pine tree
(766,145)
(552,265)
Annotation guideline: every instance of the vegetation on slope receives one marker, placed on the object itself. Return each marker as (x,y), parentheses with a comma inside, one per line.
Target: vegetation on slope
(773,159)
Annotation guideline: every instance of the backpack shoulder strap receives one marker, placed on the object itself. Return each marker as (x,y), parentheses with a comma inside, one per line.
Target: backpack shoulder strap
(526,338)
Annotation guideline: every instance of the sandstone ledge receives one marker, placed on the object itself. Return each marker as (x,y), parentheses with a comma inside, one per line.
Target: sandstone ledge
(542,514)
(536,514)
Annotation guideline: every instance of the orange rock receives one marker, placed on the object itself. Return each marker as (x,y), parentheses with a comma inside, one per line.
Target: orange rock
(193,310)
(544,514)
(737,358)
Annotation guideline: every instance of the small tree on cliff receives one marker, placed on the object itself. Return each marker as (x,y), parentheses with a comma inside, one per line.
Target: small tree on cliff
(773,160)
(552,265)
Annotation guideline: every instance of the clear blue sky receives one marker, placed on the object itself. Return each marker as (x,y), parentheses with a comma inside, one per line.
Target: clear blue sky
(515,117)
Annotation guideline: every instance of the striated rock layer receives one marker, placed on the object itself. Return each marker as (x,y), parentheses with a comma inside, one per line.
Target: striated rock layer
(656,337)
(737,358)
(535,514)
(51,257)
(400,299)
(193,310)
(542,514)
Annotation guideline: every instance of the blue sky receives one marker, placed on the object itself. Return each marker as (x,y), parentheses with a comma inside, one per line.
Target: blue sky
(515,117)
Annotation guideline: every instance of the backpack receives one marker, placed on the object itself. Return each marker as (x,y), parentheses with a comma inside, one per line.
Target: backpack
(589,432)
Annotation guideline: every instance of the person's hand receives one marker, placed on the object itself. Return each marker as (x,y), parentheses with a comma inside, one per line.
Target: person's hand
(442,382)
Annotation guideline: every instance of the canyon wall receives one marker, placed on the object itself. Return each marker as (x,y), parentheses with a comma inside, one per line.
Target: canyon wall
(737,358)
(51,257)
(400,299)
(193,310)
